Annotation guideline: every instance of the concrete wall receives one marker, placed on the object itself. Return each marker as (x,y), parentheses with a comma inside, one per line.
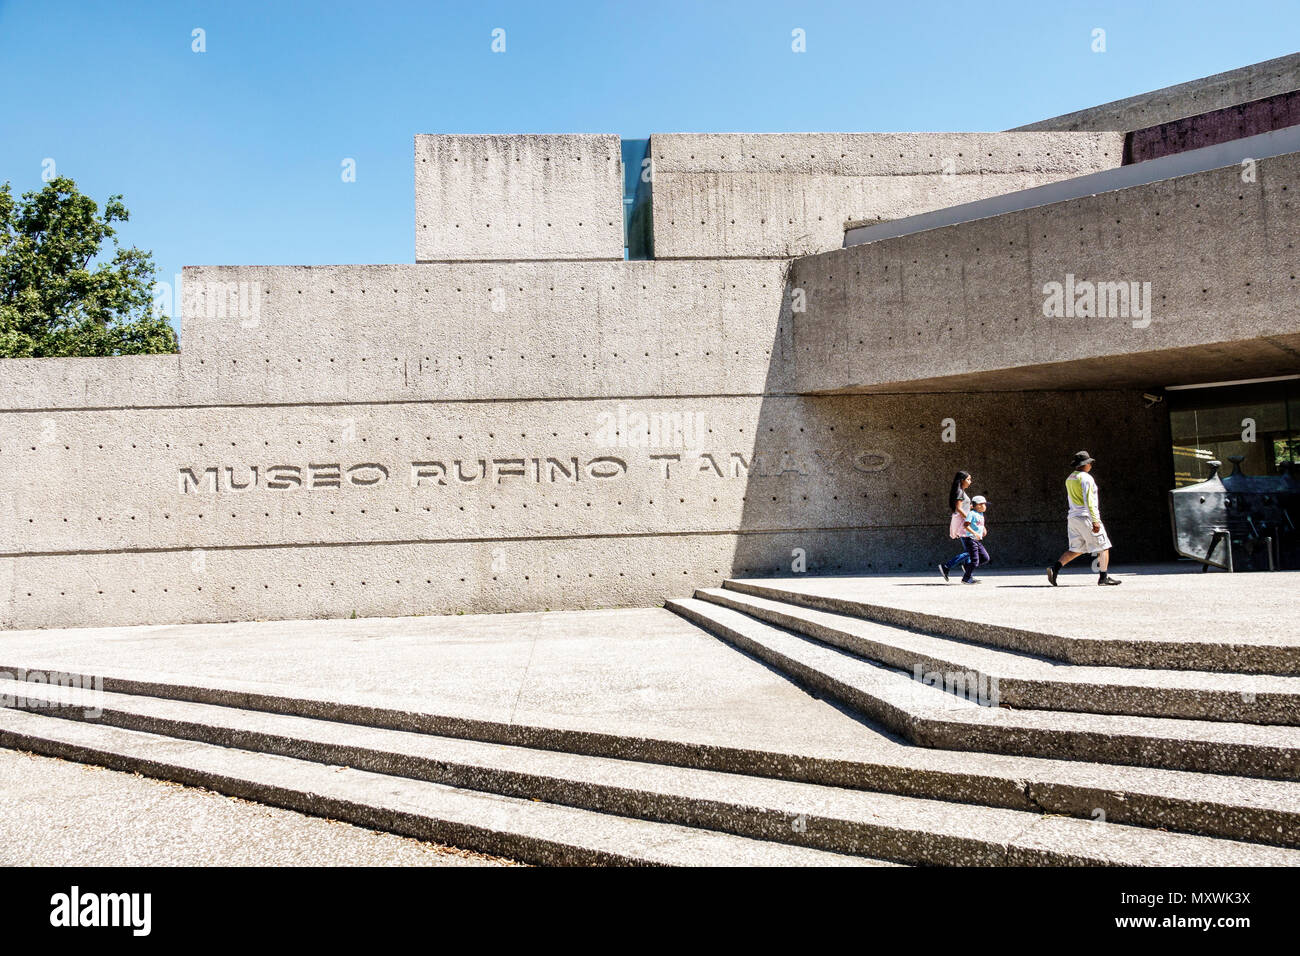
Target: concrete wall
(518,197)
(481,331)
(399,451)
(962,308)
(284,335)
(742,195)
(221,512)
(512,435)
(1280,75)
(60,383)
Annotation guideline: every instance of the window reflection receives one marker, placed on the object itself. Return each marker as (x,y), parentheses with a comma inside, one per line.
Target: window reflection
(1260,422)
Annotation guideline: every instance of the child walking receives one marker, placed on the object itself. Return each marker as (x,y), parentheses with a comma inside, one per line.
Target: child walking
(976,528)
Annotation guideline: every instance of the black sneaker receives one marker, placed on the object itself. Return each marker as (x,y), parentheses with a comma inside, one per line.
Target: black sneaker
(970,580)
(1108,580)
(943,569)
(1051,576)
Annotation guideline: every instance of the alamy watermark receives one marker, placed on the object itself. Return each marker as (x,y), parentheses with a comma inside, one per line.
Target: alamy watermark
(241,300)
(1101,300)
(75,908)
(978,688)
(23,690)
(629,428)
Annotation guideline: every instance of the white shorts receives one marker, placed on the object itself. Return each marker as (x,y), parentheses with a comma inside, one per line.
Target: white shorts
(1082,539)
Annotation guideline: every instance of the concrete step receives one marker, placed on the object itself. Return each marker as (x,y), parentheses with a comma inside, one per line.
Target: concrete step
(875,825)
(1237,808)
(1028,681)
(1246,655)
(931,717)
(528,830)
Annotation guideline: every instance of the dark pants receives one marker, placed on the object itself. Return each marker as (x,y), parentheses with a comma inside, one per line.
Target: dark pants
(976,555)
(961,557)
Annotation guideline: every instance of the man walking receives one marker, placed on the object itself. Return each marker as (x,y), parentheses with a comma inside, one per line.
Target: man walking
(1087,534)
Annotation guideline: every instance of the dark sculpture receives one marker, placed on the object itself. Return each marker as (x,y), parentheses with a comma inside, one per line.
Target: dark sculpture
(1241,522)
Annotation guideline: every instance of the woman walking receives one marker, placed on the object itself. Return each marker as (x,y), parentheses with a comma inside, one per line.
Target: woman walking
(959,508)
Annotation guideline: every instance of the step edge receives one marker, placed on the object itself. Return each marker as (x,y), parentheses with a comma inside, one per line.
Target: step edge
(513,842)
(1020,687)
(936,728)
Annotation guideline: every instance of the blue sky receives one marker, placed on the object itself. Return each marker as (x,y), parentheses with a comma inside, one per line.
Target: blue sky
(233,156)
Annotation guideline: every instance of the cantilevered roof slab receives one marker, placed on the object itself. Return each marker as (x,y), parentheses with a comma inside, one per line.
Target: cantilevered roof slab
(1190,279)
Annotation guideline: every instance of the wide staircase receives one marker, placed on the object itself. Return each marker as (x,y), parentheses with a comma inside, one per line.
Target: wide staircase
(995,754)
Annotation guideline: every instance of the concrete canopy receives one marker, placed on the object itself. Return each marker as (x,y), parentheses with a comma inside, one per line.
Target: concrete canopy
(1054,296)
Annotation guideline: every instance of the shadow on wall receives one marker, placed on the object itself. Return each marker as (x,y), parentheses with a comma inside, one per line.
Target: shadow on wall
(857,483)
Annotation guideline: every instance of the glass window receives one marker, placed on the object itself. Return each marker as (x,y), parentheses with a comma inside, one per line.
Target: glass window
(1260,422)
(637,228)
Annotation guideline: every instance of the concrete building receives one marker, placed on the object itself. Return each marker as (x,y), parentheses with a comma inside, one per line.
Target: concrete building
(624,372)
(586,393)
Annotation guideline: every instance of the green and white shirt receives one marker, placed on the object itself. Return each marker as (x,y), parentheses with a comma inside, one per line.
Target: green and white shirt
(1081,489)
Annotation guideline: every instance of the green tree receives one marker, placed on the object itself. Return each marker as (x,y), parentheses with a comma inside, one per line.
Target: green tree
(59,294)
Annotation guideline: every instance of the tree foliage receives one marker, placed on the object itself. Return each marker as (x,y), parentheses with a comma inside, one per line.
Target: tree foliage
(60,292)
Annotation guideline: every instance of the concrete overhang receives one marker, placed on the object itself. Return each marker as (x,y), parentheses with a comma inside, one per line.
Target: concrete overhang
(1207,264)
(1195,365)
(1231,88)
(1184,163)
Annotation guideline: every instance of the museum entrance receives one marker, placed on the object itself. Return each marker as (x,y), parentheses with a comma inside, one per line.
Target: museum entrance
(1258,420)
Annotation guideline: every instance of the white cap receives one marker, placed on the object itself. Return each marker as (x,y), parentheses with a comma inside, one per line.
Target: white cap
(979,500)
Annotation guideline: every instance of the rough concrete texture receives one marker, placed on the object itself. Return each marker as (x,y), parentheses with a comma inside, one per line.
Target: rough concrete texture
(638,685)
(898,828)
(1280,75)
(315,334)
(55,813)
(963,307)
(518,197)
(110,382)
(263,511)
(276,335)
(442,437)
(1126,627)
(791,194)
(524,829)
(1037,683)
(930,716)
(632,672)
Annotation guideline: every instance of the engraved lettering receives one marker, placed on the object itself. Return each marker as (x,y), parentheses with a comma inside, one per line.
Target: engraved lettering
(236,486)
(706,464)
(428,472)
(606,467)
(507,467)
(366,474)
(791,463)
(326,476)
(871,461)
(187,479)
(469,480)
(555,465)
(280,477)
(666,462)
